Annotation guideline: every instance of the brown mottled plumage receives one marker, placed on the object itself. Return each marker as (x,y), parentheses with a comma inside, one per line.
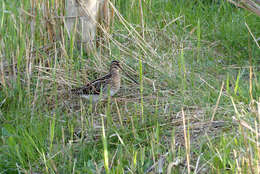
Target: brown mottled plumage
(100,87)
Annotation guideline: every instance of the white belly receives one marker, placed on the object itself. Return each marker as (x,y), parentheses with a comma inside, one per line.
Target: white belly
(96,98)
(113,92)
(93,98)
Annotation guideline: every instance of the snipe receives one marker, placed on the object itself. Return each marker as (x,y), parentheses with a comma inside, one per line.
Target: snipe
(102,87)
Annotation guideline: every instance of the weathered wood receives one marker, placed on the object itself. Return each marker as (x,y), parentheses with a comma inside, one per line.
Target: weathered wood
(86,21)
(82,17)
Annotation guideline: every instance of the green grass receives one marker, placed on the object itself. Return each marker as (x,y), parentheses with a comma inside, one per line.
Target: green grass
(180,64)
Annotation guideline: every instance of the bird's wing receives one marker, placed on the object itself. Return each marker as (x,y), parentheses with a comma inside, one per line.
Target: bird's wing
(93,87)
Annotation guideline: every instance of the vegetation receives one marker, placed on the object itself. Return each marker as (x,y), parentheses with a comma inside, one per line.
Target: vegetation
(196,110)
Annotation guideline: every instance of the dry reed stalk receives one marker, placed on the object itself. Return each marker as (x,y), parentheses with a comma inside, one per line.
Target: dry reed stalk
(103,25)
(258,109)
(257,147)
(257,139)
(141,17)
(49,22)
(187,141)
(138,38)
(216,107)
(243,124)
(250,5)
(118,113)
(250,73)
(249,30)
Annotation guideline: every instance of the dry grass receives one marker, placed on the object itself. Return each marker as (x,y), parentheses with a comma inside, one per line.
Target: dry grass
(190,114)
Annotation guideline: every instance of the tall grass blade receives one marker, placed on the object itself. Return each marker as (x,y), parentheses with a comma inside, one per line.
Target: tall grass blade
(52,130)
(182,69)
(237,83)
(104,139)
(141,89)
(198,40)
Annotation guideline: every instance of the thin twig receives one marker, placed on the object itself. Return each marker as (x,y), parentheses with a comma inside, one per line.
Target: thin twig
(215,109)
(252,35)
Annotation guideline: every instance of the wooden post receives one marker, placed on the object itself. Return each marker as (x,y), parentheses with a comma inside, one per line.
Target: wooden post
(85,14)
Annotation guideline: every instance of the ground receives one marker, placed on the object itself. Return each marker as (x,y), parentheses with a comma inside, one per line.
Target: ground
(196,108)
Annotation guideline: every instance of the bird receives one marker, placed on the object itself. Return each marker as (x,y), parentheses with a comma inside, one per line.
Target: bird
(102,87)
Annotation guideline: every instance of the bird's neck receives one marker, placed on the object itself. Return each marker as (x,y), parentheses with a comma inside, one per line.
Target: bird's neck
(116,77)
(115,72)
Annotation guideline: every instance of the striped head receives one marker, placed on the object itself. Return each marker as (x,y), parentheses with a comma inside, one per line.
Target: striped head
(115,65)
(114,70)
